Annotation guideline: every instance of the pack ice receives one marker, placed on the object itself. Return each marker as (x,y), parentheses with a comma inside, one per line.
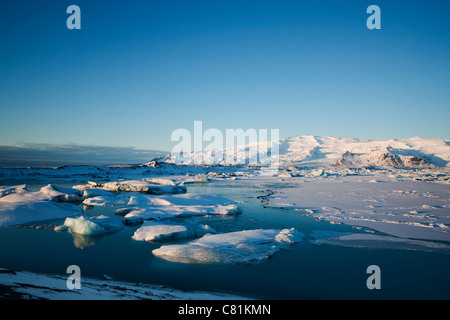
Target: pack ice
(239,247)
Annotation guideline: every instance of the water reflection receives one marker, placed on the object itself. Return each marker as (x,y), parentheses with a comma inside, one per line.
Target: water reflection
(82,241)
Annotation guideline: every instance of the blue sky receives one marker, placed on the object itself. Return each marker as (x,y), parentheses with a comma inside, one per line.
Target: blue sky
(137,70)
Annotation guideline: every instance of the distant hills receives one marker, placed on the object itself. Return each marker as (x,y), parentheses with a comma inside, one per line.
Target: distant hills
(352,152)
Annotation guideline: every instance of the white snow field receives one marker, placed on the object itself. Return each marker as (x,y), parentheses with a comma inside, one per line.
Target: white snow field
(239,247)
(27,285)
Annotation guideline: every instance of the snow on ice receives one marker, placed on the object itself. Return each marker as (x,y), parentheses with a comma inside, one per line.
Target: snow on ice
(239,247)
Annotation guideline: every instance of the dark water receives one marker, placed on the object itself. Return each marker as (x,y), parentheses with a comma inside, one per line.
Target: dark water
(302,271)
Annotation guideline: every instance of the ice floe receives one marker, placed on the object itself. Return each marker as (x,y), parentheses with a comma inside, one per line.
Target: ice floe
(239,247)
(149,186)
(158,231)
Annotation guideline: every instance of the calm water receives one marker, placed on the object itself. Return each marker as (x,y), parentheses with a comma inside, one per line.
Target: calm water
(303,271)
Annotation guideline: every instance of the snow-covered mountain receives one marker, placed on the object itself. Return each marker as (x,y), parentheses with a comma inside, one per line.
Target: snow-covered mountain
(340,151)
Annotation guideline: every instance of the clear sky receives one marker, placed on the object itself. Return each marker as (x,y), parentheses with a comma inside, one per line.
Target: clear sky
(137,70)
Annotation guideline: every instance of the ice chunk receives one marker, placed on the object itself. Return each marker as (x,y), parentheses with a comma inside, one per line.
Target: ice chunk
(95,192)
(61,194)
(92,225)
(156,231)
(108,200)
(240,247)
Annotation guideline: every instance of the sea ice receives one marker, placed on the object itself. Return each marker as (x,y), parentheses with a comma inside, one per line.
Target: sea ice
(239,247)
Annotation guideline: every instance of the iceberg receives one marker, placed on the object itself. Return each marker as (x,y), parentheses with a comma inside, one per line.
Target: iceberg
(239,247)
(156,231)
(91,225)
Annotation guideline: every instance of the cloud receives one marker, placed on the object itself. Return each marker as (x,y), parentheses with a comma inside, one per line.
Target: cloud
(30,155)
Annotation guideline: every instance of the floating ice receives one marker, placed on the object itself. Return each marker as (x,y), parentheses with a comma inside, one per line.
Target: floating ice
(167,207)
(150,186)
(157,231)
(240,247)
(91,225)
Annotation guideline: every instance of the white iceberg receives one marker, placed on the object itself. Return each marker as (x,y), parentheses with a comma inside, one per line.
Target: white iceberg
(91,225)
(157,231)
(240,247)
